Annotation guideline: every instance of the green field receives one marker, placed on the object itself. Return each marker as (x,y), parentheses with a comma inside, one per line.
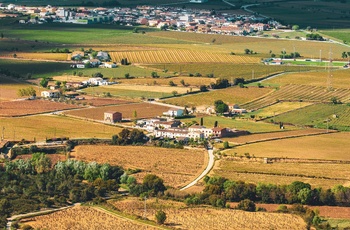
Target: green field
(340,34)
(251,126)
(338,116)
(231,71)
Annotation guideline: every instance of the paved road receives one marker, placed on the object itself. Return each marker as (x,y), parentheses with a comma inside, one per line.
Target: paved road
(205,172)
(229,3)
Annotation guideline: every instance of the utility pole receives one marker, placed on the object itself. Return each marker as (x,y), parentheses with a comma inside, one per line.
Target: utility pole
(145,211)
(330,76)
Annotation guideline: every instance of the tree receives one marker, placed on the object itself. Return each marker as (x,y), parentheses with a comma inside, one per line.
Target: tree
(216,124)
(182,82)
(98,74)
(127,75)
(220,106)
(154,184)
(203,88)
(246,205)
(344,55)
(135,30)
(174,93)
(134,114)
(14,55)
(160,216)
(226,145)
(171,83)
(41,162)
(247,51)
(201,122)
(295,27)
(2,35)
(44,82)
(154,75)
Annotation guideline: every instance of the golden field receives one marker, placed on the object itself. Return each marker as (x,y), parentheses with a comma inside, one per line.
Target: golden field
(39,56)
(339,78)
(40,127)
(176,167)
(332,146)
(204,217)
(148,88)
(191,81)
(318,174)
(82,218)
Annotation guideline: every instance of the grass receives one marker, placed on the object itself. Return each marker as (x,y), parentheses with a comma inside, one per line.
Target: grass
(190,81)
(339,223)
(340,34)
(317,174)
(251,126)
(325,147)
(340,78)
(53,126)
(277,109)
(338,116)
(231,71)
(232,95)
(315,63)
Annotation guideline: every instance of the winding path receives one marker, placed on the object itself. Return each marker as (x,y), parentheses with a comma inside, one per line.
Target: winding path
(205,172)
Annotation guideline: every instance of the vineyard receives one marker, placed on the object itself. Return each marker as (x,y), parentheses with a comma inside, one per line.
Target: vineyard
(80,218)
(338,116)
(325,175)
(180,56)
(299,93)
(230,71)
(209,218)
(143,110)
(273,135)
(176,167)
(232,95)
(25,107)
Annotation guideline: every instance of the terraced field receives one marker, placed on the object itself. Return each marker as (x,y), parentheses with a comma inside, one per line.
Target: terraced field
(180,56)
(299,93)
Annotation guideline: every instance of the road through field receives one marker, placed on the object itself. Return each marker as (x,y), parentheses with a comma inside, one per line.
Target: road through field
(205,172)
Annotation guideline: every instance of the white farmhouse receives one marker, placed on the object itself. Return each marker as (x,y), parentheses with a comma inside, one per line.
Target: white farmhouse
(51,94)
(174,113)
(97,81)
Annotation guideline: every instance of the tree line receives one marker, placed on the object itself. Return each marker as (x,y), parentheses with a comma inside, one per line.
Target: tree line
(32,184)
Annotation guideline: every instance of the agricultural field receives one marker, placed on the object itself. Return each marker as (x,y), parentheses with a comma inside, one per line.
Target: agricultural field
(26,107)
(237,44)
(143,110)
(299,93)
(176,167)
(240,124)
(318,174)
(40,127)
(37,56)
(339,79)
(231,71)
(259,137)
(190,81)
(180,56)
(277,109)
(338,116)
(232,95)
(100,101)
(9,87)
(340,34)
(81,217)
(322,147)
(204,217)
(324,14)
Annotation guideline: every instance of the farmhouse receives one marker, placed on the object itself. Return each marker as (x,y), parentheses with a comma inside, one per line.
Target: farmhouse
(109,65)
(226,132)
(51,94)
(97,81)
(112,117)
(177,133)
(102,56)
(166,124)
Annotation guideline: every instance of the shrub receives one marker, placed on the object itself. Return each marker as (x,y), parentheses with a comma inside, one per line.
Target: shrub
(246,205)
(160,216)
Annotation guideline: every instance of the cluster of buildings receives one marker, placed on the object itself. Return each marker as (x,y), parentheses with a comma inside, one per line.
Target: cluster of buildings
(174,18)
(83,60)
(174,129)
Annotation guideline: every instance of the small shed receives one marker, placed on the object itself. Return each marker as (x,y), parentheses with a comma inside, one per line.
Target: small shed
(112,117)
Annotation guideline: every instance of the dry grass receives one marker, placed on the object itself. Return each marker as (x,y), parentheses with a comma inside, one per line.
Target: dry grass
(39,56)
(199,218)
(191,81)
(332,146)
(82,218)
(24,107)
(45,126)
(273,135)
(340,79)
(70,78)
(176,166)
(143,110)
(9,88)
(318,174)
(232,95)
(99,101)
